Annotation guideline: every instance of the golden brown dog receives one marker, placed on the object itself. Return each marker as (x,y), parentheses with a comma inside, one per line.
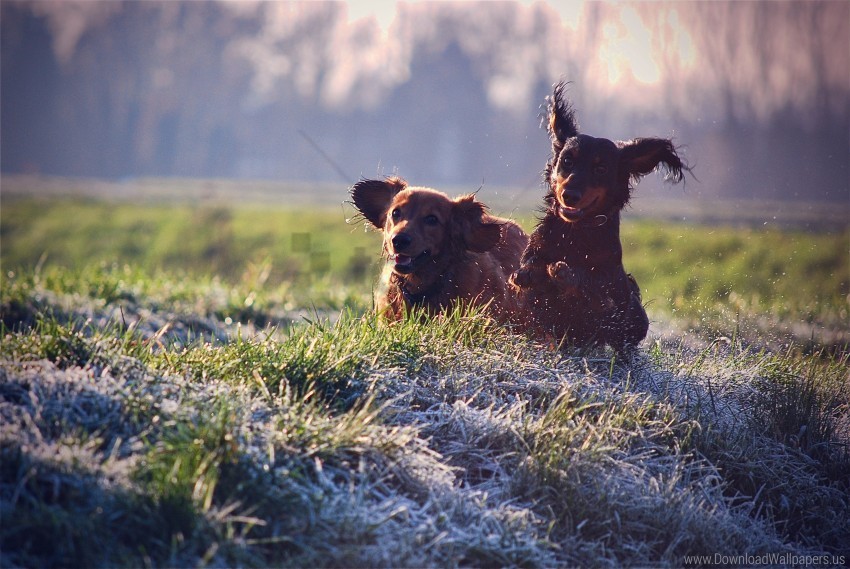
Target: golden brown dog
(440,251)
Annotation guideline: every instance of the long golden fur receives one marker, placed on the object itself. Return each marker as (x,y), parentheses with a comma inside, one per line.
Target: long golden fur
(440,251)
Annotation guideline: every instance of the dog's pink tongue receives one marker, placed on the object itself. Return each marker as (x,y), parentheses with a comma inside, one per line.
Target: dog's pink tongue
(403,260)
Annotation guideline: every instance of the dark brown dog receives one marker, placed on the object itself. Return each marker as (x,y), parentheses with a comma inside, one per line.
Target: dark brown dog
(440,251)
(571,284)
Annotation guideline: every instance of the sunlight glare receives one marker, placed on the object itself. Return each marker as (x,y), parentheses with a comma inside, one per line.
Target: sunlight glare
(382,11)
(628,48)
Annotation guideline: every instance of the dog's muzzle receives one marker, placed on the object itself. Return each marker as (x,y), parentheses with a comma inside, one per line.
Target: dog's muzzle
(572,206)
(405,264)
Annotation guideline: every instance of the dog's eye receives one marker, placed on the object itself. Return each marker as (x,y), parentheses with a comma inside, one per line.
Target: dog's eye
(567,162)
(601,169)
(431,220)
(396,214)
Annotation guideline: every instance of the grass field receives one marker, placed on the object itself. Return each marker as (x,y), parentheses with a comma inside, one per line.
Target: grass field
(193,384)
(767,285)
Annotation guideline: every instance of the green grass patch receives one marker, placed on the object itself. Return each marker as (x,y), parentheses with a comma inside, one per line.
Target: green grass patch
(782,283)
(280,244)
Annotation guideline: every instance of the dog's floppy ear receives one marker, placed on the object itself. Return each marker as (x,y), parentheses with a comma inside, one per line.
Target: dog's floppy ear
(373,198)
(471,229)
(562,121)
(641,156)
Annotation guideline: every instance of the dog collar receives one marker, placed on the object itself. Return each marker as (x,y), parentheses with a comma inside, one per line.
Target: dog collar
(597,221)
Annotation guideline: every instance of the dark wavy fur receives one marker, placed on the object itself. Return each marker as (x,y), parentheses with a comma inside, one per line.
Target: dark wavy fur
(571,283)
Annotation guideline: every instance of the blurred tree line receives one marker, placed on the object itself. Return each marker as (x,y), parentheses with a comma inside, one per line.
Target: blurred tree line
(448,94)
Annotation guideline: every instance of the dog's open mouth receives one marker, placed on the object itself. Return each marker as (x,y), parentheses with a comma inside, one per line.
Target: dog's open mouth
(571,214)
(405,264)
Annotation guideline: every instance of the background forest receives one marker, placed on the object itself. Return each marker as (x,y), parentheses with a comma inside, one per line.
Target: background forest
(442,92)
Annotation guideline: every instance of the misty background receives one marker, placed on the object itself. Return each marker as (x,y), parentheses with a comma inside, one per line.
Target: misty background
(444,94)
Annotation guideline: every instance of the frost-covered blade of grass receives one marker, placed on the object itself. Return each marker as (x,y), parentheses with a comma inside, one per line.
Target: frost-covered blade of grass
(777,427)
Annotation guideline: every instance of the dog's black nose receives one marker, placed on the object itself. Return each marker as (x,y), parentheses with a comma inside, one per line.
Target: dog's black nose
(401,241)
(571,197)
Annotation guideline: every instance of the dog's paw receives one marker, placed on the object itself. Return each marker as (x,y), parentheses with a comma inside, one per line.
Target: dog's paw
(563,275)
